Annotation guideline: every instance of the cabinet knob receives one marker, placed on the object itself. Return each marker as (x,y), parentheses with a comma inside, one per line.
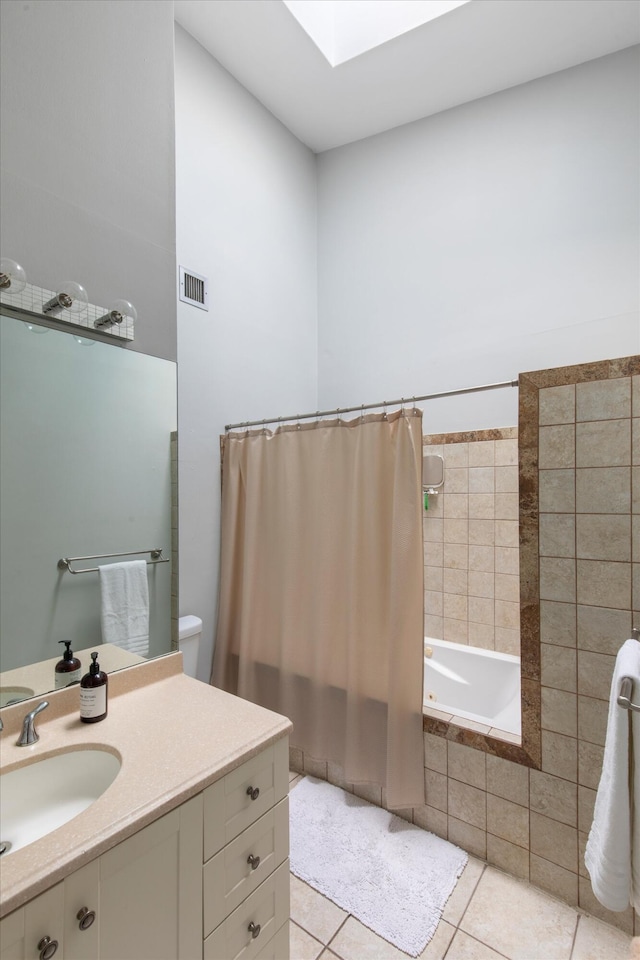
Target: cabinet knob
(85,917)
(47,948)
(253,792)
(254,929)
(254,862)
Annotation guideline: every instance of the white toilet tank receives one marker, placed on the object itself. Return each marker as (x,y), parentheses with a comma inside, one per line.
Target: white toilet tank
(189,633)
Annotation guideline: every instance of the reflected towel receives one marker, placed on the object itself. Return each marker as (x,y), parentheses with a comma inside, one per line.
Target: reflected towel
(125,605)
(612,856)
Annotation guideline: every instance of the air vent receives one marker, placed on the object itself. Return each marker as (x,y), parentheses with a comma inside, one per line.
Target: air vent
(194,289)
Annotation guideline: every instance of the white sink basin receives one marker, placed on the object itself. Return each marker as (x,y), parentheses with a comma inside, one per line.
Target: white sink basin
(14,694)
(40,797)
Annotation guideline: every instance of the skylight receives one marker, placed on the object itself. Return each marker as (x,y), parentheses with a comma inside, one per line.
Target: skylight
(343,29)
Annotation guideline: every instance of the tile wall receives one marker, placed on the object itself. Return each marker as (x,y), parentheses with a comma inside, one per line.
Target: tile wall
(580,593)
(471,572)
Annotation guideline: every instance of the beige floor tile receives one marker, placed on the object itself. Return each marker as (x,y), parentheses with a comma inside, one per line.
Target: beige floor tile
(596,940)
(464,947)
(463,891)
(302,946)
(354,941)
(326,955)
(294,780)
(519,921)
(313,912)
(438,946)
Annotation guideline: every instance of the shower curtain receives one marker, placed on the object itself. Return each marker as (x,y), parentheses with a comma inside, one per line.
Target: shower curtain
(321,590)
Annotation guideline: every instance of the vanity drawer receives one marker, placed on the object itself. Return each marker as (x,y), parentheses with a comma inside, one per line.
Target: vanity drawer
(268,907)
(228,878)
(236,801)
(278,947)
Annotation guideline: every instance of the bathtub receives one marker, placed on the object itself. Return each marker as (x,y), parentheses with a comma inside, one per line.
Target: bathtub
(474,684)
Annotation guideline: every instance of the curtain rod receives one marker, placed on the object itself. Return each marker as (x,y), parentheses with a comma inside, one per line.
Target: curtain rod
(372,406)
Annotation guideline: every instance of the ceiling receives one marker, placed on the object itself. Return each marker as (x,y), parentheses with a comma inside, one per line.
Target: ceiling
(474,50)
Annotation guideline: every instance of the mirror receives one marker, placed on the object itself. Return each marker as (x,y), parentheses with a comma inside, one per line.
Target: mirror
(86,445)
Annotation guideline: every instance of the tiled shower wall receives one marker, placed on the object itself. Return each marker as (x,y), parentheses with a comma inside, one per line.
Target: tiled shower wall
(471,572)
(583,486)
(580,567)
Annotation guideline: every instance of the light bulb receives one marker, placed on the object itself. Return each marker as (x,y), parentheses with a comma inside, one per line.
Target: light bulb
(35,327)
(84,341)
(13,278)
(70,296)
(120,310)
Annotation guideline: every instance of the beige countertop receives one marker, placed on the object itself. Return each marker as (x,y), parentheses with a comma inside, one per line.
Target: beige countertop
(174,736)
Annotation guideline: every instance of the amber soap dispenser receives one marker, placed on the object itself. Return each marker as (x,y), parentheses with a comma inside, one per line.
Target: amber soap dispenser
(93,693)
(68,669)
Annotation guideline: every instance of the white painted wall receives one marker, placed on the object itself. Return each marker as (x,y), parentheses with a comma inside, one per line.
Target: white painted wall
(246,219)
(494,238)
(87,152)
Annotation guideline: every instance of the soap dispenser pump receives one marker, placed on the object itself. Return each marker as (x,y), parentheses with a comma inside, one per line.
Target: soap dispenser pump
(68,669)
(93,693)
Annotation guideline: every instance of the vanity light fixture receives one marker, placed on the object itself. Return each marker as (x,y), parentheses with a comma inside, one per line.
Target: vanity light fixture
(13,278)
(120,310)
(71,296)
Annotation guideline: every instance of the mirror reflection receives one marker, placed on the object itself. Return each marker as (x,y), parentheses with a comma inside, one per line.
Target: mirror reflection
(86,447)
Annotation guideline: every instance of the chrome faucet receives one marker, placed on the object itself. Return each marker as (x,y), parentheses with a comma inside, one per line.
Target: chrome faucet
(29,734)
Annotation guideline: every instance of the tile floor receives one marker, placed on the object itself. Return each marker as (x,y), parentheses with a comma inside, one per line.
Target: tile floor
(489,916)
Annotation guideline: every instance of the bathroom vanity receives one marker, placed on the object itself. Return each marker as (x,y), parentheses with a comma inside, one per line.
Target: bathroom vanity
(185,854)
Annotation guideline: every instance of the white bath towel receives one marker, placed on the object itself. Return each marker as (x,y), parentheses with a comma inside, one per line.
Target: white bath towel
(125,605)
(612,856)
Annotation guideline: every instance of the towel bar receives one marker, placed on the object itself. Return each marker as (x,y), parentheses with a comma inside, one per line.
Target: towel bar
(65,562)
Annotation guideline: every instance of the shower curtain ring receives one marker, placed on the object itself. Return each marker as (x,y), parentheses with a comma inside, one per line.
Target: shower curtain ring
(384,411)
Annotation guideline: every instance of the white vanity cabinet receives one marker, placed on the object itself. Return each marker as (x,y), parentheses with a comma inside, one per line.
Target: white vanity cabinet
(209,879)
(139,901)
(22,930)
(246,866)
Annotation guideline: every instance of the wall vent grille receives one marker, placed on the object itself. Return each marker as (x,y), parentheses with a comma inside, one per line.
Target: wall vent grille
(194,289)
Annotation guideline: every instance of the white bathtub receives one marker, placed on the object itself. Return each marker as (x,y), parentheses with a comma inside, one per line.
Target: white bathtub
(474,684)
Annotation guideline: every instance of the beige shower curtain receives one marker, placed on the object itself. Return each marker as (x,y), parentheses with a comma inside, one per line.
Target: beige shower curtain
(321,590)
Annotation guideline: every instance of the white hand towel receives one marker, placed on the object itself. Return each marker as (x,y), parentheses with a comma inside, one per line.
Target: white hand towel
(125,605)
(613,863)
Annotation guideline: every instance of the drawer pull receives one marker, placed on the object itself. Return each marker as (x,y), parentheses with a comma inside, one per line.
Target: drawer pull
(254,862)
(47,948)
(254,929)
(85,917)
(253,792)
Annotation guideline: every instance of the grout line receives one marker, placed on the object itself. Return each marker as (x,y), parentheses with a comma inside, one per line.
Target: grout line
(575,934)
(473,893)
(327,946)
(480,942)
(322,946)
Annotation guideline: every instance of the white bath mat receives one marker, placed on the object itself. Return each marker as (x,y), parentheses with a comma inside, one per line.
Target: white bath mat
(394,877)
